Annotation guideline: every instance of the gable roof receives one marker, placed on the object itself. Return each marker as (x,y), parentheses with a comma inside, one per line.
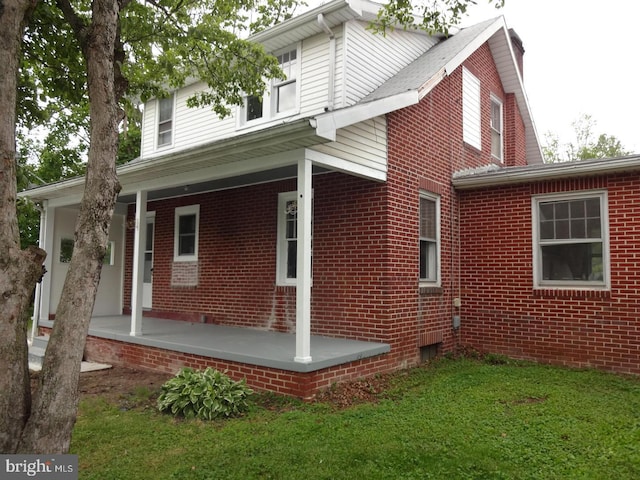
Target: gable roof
(431,66)
(417,79)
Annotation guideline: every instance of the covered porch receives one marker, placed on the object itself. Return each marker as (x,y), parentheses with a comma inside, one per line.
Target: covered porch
(242,345)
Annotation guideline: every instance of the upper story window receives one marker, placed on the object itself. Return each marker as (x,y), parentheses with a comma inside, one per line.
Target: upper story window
(281,98)
(186,228)
(496,128)
(570,234)
(471,109)
(429,239)
(165,121)
(284,91)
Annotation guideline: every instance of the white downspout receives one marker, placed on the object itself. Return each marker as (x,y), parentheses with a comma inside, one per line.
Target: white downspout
(332,61)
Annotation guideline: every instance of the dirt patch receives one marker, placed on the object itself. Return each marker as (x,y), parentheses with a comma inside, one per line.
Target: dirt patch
(118,383)
(347,394)
(129,387)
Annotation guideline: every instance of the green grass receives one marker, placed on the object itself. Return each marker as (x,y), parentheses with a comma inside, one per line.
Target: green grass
(454,419)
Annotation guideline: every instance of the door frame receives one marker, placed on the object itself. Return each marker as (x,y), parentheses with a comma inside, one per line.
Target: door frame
(147,287)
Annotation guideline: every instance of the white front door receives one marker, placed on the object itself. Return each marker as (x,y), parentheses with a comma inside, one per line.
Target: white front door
(147,285)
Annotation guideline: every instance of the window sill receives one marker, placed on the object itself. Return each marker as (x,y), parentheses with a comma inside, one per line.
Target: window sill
(541,292)
(430,290)
(259,123)
(185,259)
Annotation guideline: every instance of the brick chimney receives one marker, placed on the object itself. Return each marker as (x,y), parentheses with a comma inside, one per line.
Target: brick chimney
(518,49)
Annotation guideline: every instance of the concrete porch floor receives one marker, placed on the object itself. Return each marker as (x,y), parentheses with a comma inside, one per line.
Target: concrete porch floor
(244,345)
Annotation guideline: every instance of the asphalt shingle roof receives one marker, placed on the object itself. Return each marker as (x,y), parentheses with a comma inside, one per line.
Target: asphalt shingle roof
(421,70)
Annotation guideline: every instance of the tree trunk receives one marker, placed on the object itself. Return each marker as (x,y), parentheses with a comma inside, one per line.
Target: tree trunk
(19,270)
(53,416)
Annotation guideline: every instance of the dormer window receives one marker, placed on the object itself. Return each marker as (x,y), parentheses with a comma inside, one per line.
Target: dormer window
(165,121)
(281,97)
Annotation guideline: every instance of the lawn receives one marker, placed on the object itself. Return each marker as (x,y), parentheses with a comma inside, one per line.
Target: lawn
(452,419)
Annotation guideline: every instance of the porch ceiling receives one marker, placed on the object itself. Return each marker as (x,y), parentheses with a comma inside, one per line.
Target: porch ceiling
(220,184)
(243,345)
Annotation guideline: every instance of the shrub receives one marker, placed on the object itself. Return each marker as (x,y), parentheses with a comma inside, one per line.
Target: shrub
(204,394)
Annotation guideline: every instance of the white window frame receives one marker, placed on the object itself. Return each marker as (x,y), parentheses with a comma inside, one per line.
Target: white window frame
(537,243)
(110,254)
(270,98)
(172,99)
(471,112)
(499,131)
(282,241)
(434,280)
(180,212)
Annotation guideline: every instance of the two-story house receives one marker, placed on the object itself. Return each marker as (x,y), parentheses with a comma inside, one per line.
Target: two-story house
(331,229)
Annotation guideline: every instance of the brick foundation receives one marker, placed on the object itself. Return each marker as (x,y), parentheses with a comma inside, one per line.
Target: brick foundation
(302,385)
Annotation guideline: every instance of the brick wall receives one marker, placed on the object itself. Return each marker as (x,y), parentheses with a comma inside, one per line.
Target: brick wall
(503,313)
(365,241)
(425,149)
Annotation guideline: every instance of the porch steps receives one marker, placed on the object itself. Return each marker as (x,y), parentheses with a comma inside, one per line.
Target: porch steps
(36,356)
(36,352)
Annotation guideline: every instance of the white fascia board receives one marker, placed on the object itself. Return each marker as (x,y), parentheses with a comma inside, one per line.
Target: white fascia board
(72,188)
(327,124)
(476,43)
(214,172)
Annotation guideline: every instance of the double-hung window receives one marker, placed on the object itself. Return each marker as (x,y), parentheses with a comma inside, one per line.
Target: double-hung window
(429,240)
(165,121)
(570,240)
(186,233)
(281,97)
(496,128)
(287,251)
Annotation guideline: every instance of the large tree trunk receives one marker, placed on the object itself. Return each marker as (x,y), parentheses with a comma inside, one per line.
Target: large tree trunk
(19,270)
(53,416)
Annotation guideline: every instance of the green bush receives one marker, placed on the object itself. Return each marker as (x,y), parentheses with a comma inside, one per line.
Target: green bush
(204,394)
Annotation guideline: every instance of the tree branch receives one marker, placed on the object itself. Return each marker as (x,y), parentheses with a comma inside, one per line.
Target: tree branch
(80,28)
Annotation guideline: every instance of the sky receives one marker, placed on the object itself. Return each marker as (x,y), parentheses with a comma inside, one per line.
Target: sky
(581,57)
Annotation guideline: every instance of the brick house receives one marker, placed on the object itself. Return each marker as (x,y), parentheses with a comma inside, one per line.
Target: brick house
(355,220)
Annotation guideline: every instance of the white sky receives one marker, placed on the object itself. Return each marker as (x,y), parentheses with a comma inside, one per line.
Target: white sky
(581,57)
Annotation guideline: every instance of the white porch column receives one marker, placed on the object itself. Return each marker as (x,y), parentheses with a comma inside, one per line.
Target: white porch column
(35,318)
(303,274)
(47,221)
(139,239)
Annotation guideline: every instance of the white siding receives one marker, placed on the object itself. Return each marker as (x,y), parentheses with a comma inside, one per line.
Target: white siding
(109,296)
(148,128)
(194,126)
(198,125)
(363,62)
(371,59)
(314,76)
(471,109)
(364,144)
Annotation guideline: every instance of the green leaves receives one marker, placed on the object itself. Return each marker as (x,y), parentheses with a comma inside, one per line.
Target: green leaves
(433,16)
(586,145)
(205,394)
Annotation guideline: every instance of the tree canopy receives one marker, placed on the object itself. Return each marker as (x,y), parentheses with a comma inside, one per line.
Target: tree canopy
(586,145)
